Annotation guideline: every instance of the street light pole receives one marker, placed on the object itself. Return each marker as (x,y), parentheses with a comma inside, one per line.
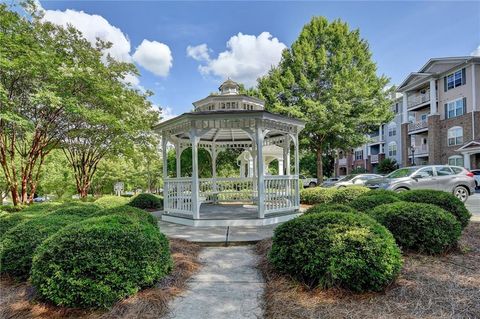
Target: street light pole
(413,155)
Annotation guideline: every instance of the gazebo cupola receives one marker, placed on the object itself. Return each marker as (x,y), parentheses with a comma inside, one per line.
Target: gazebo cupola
(232,120)
(228,98)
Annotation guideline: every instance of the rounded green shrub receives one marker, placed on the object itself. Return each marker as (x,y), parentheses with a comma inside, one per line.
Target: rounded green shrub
(100,261)
(8,221)
(375,192)
(366,203)
(110,201)
(325,208)
(424,228)
(12,209)
(316,195)
(345,195)
(445,200)
(345,250)
(146,201)
(132,212)
(19,243)
(81,211)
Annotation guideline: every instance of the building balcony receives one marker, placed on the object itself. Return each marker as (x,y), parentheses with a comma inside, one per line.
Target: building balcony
(342,161)
(421,150)
(417,126)
(377,139)
(417,99)
(374,159)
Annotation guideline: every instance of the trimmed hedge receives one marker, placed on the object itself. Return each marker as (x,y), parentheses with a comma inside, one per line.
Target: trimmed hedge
(442,199)
(366,203)
(110,201)
(8,221)
(81,211)
(146,201)
(325,208)
(345,195)
(347,250)
(322,195)
(316,195)
(375,192)
(19,243)
(100,261)
(424,228)
(132,212)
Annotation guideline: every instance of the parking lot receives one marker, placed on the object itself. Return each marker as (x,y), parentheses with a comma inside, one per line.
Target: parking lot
(473,205)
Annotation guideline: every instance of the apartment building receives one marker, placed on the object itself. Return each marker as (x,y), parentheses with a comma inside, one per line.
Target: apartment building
(384,142)
(437,120)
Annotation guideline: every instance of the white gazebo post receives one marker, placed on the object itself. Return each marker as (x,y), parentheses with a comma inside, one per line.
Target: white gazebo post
(297,172)
(178,154)
(286,154)
(259,136)
(194,139)
(165,170)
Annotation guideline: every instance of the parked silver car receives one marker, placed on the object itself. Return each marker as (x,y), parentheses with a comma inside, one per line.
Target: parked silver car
(358,179)
(454,179)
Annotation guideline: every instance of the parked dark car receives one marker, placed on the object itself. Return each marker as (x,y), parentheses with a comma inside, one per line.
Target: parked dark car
(454,179)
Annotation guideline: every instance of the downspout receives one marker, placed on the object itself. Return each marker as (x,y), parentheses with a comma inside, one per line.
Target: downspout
(474,101)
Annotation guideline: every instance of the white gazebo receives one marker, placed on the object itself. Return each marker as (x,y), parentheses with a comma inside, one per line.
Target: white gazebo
(232,120)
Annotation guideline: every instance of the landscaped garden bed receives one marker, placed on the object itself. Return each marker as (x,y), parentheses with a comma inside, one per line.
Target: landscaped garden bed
(374,255)
(19,299)
(445,286)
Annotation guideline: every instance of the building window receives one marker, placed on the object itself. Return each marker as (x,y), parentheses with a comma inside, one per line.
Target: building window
(454,80)
(358,155)
(392,149)
(455,136)
(455,160)
(455,108)
(392,129)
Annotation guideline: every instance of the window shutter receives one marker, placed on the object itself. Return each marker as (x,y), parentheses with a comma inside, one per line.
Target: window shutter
(464,76)
(464,105)
(446,111)
(444,84)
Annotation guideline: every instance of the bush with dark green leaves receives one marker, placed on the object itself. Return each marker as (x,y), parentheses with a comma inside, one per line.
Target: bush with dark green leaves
(8,221)
(326,208)
(345,195)
(146,201)
(99,261)
(132,212)
(109,201)
(12,209)
(345,250)
(366,203)
(81,211)
(19,243)
(418,227)
(445,200)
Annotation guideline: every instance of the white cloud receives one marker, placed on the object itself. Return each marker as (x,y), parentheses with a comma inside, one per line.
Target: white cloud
(199,52)
(167,113)
(154,56)
(92,27)
(247,57)
(476,52)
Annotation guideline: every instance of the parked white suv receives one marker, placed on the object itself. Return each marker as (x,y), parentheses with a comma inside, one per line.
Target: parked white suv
(308,181)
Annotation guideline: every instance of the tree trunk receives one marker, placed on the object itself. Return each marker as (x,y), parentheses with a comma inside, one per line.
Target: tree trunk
(319,164)
(14,192)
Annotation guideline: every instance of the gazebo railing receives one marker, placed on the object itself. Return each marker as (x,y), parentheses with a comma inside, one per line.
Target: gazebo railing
(178,197)
(281,193)
(227,189)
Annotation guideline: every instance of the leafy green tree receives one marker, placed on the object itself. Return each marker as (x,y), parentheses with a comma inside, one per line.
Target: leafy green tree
(328,79)
(387,165)
(57,176)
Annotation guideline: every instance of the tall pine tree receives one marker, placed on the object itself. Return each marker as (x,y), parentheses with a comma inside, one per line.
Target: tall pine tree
(328,79)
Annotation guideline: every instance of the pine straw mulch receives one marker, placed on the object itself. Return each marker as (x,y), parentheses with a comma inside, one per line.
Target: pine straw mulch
(429,287)
(17,300)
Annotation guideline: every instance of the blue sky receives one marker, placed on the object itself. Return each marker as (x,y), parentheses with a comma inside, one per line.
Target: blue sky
(402,37)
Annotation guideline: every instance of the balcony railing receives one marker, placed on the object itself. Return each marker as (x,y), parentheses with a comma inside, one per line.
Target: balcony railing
(417,125)
(374,159)
(421,150)
(342,161)
(418,98)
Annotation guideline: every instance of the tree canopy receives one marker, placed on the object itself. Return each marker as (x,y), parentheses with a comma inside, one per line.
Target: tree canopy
(328,78)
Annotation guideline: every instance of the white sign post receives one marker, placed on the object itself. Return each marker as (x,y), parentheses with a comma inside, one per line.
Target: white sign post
(118,188)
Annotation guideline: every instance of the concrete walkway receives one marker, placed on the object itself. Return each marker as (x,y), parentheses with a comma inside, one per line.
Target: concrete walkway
(227,287)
